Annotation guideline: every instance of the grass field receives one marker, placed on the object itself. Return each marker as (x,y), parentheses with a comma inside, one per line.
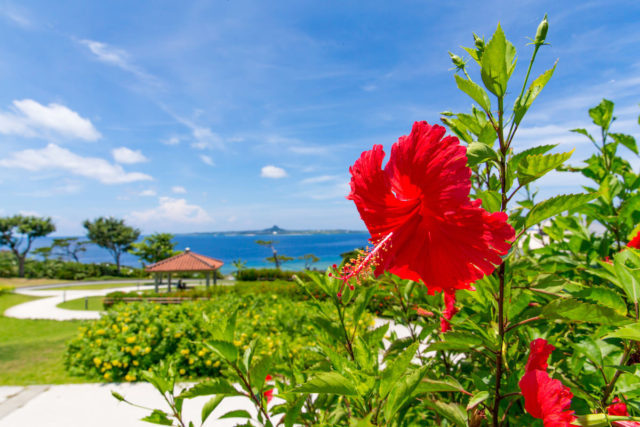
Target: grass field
(18,282)
(94,303)
(31,351)
(98,286)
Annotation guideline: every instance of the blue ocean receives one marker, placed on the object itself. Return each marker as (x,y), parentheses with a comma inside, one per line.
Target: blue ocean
(327,247)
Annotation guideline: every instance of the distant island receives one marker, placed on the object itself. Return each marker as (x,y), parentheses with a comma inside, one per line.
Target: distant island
(275,231)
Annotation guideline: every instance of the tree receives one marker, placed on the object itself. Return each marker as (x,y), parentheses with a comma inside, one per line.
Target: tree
(112,234)
(270,243)
(239,264)
(154,248)
(279,260)
(308,260)
(69,247)
(44,252)
(18,233)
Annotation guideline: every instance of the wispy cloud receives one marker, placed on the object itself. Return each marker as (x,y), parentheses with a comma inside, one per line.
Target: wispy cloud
(118,58)
(207,160)
(29,118)
(177,189)
(148,193)
(320,179)
(16,15)
(53,157)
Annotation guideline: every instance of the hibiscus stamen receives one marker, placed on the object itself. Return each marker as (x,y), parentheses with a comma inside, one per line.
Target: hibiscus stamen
(360,266)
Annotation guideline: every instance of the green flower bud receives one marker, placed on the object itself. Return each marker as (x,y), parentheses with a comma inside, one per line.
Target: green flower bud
(541,34)
(457,61)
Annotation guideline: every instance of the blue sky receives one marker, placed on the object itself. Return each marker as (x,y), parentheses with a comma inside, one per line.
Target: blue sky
(197,116)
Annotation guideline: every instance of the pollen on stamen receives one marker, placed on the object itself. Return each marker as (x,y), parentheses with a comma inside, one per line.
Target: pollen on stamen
(361,266)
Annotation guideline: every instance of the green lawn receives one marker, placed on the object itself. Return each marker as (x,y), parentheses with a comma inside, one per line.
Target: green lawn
(98,286)
(31,351)
(18,282)
(94,303)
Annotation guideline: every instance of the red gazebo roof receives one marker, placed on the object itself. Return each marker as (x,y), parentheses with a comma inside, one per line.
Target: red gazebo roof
(186,261)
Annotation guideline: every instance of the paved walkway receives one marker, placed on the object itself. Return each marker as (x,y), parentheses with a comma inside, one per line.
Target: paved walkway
(92,405)
(45,308)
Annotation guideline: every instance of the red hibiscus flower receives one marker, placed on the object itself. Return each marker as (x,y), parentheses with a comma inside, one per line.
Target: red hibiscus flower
(268,394)
(419,214)
(545,398)
(635,242)
(618,407)
(449,311)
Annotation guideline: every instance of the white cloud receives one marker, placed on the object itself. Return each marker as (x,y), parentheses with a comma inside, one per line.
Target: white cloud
(178,189)
(172,210)
(206,159)
(148,193)
(308,149)
(31,119)
(55,157)
(335,191)
(274,172)
(319,179)
(128,156)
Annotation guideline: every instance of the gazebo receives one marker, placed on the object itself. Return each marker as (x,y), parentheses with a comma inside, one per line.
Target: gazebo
(187,261)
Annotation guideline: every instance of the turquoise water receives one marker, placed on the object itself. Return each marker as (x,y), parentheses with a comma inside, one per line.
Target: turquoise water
(327,247)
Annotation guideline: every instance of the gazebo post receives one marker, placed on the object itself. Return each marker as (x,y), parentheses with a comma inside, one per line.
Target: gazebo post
(215,277)
(208,275)
(169,283)
(156,280)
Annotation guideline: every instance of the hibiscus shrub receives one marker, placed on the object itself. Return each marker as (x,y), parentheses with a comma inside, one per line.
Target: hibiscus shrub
(505,310)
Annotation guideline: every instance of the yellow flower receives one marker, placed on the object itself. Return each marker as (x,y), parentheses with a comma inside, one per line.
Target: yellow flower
(107,376)
(182,372)
(135,363)
(216,364)
(201,353)
(97,361)
(100,332)
(131,339)
(184,351)
(130,377)
(124,328)
(207,362)
(147,350)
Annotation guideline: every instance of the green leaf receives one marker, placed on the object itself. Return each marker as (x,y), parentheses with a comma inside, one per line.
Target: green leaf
(260,370)
(602,114)
(211,404)
(477,399)
(475,91)
(491,200)
(627,332)
(584,132)
(626,140)
(402,392)
(328,382)
(478,152)
(451,411)
(541,149)
(224,349)
(396,368)
(603,296)
(158,417)
(498,62)
(209,387)
(578,311)
(536,165)
(432,386)
(626,279)
(556,205)
(362,301)
(239,413)
(293,411)
(230,327)
(522,105)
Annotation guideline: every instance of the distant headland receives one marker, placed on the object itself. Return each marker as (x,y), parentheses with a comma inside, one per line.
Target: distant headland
(275,231)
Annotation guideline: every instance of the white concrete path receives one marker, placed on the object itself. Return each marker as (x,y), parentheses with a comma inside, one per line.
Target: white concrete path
(80,405)
(45,308)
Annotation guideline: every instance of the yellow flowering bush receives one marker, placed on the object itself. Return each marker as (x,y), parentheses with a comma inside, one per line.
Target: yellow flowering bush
(131,338)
